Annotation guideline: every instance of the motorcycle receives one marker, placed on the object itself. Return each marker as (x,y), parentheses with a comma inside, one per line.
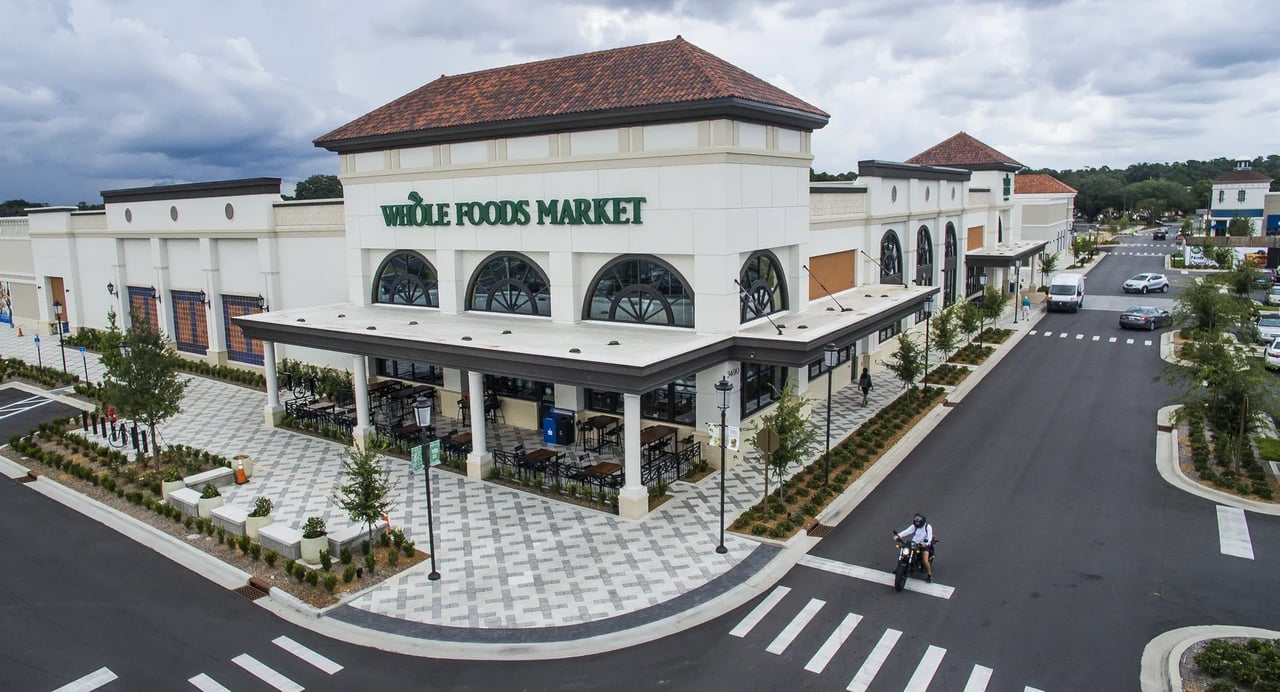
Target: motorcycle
(910,560)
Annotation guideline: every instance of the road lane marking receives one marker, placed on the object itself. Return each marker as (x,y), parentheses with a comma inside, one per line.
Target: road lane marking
(28,408)
(862,679)
(307,655)
(260,670)
(1096,337)
(1048,333)
(757,614)
(874,575)
(978,679)
(819,662)
(1129,341)
(1032,332)
(204,683)
(1147,342)
(793,628)
(1031,689)
(92,681)
(1233,533)
(1079,337)
(929,663)
(1112,340)
(1062,335)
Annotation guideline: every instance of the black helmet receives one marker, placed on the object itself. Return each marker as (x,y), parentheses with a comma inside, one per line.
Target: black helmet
(918,520)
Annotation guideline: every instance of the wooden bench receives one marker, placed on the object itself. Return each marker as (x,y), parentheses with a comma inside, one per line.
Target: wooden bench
(221,477)
(231,518)
(187,500)
(350,536)
(285,540)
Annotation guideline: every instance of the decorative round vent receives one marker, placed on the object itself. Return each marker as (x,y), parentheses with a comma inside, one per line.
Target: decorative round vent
(173,213)
(893,194)
(230,211)
(128,216)
(927,190)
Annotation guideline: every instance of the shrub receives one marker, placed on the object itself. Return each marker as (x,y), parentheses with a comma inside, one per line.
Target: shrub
(270,557)
(330,581)
(369,562)
(261,507)
(348,573)
(314,528)
(393,556)
(255,551)
(325,562)
(290,565)
(385,539)
(397,537)
(244,543)
(364,547)
(312,577)
(344,555)
(222,534)
(210,491)
(408,548)
(300,573)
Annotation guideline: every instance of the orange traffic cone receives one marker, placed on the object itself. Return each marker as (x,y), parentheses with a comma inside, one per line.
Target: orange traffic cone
(19,331)
(241,479)
(387,519)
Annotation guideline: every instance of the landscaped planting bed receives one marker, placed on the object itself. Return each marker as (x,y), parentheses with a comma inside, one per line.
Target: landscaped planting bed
(994,335)
(972,354)
(802,496)
(948,374)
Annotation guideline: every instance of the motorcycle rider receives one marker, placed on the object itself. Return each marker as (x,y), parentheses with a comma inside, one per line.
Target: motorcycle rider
(920,531)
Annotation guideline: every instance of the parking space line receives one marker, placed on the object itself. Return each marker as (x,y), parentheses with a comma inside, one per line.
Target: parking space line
(1233,533)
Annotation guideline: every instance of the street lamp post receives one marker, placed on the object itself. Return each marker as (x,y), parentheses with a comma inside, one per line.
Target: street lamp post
(1014,286)
(928,312)
(830,356)
(982,281)
(724,388)
(422,416)
(57,312)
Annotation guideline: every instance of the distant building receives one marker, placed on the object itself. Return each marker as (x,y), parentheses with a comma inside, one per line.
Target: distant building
(1243,192)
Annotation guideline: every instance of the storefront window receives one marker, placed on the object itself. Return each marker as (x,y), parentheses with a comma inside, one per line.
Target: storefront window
(890,331)
(191,325)
(510,283)
(817,368)
(516,388)
(763,285)
(409,370)
(761,386)
(640,290)
(406,278)
(676,402)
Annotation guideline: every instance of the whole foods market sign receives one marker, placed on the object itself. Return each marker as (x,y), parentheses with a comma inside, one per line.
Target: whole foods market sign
(522,212)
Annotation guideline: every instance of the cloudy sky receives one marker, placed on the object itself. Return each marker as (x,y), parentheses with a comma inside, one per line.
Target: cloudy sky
(105,94)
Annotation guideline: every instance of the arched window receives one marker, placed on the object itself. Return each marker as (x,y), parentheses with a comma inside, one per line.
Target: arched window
(642,290)
(924,257)
(890,259)
(510,283)
(764,286)
(999,230)
(950,252)
(406,278)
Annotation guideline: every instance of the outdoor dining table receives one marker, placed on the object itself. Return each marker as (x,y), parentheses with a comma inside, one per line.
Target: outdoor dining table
(604,469)
(597,425)
(539,456)
(655,433)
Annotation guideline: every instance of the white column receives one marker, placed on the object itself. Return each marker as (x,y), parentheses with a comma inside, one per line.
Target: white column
(479,461)
(359,370)
(274,411)
(633,501)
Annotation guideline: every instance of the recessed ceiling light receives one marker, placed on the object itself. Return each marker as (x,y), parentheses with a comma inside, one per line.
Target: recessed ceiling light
(466,338)
(371,327)
(615,342)
(575,350)
(412,322)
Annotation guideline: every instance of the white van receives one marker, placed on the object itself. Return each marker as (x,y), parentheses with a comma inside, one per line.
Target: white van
(1066,291)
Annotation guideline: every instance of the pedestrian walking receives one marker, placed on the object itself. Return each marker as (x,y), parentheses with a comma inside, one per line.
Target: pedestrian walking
(864,383)
(1026,307)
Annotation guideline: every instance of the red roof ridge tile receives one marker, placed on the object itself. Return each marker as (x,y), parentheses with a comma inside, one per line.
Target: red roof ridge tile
(963,150)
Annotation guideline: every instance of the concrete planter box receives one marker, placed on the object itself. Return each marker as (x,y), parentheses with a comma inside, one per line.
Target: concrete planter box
(186,500)
(350,536)
(167,487)
(247,461)
(231,518)
(253,524)
(283,539)
(221,477)
(311,548)
(206,505)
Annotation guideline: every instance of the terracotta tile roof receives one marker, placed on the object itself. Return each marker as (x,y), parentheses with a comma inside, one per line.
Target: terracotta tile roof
(961,150)
(1039,184)
(1247,175)
(561,90)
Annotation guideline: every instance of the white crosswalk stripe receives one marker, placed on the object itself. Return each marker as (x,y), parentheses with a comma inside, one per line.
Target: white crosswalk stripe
(929,663)
(1129,341)
(978,679)
(1079,337)
(1112,340)
(1233,533)
(819,662)
(204,683)
(757,614)
(92,681)
(1096,337)
(307,655)
(1146,342)
(873,575)
(264,673)
(793,628)
(1032,689)
(874,661)
(1063,335)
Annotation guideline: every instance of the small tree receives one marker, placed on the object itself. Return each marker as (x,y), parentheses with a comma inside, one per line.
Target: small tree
(946,332)
(366,493)
(907,362)
(1206,312)
(1186,227)
(1048,263)
(1226,385)
(144,385)
(994,301)
(1240,279)
(968,318)
(1224,256)
(318,187)
(1239,226)
(798,436)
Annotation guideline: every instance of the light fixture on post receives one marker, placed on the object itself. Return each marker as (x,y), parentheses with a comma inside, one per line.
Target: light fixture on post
(111,288)
(422,416)
(204,298)
(724,389)
(124,348)
(927,307)
(155,295)
(830,357)
(262,303)
(57,313)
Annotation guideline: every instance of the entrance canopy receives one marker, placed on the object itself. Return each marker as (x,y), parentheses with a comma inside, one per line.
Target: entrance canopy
(601,355)
(1005,255)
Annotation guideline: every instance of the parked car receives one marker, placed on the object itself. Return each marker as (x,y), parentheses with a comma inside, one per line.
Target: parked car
(1272,357)
(1264,277)
(1268,328)
(1273,296)
(1145,317)
(1159,234)
(1145,283)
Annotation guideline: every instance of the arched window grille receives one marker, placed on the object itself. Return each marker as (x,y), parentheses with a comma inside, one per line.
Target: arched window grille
(764,287)
(641,290)
(924,257)
(890,259)
(950,260)
(406,278)
(510,283)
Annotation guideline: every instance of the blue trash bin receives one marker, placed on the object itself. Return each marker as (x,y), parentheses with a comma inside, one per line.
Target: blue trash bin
(549,430)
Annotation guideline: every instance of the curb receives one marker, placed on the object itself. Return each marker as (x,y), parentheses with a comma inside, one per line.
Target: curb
(1169,469)
(1162,656)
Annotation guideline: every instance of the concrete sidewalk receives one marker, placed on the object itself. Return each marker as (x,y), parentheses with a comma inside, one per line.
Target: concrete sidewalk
(523,576)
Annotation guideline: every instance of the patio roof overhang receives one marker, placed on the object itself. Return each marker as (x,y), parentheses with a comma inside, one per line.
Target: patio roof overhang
(1004,255)
(613,356)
